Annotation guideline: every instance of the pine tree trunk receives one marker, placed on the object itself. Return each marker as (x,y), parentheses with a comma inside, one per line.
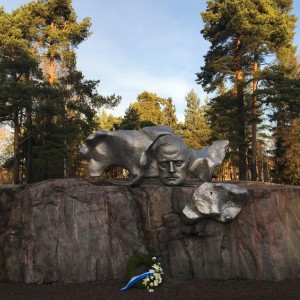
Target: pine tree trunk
(241,111)
(29,178)
(16,148)
(254,122)
(51,63)
(51,69)
(266,171)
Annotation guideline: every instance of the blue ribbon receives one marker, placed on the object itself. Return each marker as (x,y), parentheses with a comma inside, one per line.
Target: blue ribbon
(136,279)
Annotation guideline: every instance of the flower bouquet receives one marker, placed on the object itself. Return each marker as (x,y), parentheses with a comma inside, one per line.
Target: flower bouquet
(152,281)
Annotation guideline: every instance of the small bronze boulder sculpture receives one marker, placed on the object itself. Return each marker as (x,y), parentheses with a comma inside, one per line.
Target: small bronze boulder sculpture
(151,152)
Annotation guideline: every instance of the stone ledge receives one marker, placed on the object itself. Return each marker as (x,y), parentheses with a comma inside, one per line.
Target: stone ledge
(76,230)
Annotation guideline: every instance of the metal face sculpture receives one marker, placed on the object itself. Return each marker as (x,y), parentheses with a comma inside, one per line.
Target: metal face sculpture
(172,159)
(151,152)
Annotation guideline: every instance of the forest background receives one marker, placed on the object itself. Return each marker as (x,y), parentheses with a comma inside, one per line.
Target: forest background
(250,71)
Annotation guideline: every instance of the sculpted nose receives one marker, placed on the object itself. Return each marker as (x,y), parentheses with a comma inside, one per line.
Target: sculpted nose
(171,167)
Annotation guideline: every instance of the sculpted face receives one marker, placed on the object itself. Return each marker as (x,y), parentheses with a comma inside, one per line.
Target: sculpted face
(172,163)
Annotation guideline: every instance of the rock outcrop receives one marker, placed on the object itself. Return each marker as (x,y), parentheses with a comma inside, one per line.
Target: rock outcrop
(84,230)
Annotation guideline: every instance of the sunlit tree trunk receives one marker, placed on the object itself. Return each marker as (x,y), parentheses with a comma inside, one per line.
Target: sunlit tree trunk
(51,62)
(254,121)
(240,110)
(51,69)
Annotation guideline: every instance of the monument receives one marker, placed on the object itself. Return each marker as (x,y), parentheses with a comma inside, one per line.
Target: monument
(78,230)
(156,151)
(153,151)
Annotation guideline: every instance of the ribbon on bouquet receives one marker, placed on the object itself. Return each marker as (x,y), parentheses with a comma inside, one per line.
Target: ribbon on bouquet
(136,279)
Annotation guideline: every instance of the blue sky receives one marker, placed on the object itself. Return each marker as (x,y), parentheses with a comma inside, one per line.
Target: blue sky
(138,45)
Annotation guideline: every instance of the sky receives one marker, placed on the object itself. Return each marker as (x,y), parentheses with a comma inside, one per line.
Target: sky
(144,45)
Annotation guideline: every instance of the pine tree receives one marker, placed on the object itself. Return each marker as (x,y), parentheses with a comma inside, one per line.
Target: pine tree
(243,34)
(56,114)
(281,94)
(55,33)
(150,108)
(19,79)
(131,120)
(170,114)
(290,173)
(196,131)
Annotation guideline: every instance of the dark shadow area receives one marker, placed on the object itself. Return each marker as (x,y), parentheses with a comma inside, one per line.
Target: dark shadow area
(194,289)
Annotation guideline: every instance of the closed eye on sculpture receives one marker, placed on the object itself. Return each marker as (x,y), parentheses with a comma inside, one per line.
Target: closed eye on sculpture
(163,164)
(178,163)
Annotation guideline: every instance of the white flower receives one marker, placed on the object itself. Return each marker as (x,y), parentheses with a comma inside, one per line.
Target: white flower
(151,290)
(156,268)
(155,283)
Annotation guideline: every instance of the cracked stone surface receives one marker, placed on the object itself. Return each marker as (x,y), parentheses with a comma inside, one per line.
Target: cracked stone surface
(76,230)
